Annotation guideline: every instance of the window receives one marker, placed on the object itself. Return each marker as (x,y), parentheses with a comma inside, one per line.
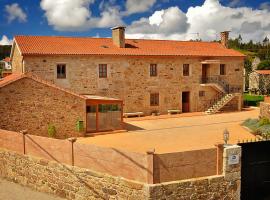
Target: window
(154,99)
(103,71)
(153,69)
(186,70)
(201,93)
(222,69)
(61,71)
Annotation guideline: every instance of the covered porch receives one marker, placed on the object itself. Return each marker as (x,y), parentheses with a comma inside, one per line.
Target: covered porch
(103,114)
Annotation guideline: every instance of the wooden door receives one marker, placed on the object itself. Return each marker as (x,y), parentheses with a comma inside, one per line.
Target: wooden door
(185,102)
(204,72)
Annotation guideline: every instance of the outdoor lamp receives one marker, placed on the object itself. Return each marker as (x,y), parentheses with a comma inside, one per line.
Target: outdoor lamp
(226,136)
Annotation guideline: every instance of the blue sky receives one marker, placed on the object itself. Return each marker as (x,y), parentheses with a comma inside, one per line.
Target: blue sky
(157,19)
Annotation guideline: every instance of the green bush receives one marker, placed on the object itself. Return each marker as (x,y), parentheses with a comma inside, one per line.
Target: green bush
(264,121)
(264,65)
(252,100)
(252,124)
(265,130)
(51,130)
(79,125)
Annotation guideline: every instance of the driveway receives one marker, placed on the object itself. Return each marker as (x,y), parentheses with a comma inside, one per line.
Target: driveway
(13,191)
(178,133)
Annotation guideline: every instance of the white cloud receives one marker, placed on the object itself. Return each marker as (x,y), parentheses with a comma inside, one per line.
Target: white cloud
(265,6)
(168,23)
(14,12)
(5,41)
(75,15)
(138,6)
(208,20)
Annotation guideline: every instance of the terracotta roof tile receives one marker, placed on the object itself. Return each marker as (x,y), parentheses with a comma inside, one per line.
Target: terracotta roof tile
(52,45)
(263,72)
(7,59)
(17,76)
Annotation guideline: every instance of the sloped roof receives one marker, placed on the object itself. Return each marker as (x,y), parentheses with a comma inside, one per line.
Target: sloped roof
(263,72)
(52,45)
(17,76)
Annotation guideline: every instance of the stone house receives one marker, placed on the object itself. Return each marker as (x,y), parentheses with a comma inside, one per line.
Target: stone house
(259,81)
(148,75)
(32,104)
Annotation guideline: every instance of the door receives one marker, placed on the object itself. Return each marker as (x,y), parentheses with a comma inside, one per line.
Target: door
(205,68)
(91,123)
(185,102)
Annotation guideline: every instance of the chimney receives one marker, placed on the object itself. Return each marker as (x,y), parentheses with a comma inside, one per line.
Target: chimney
(225,38)
(118,36)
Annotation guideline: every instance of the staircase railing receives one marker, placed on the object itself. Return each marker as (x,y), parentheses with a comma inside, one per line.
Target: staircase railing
(221,82)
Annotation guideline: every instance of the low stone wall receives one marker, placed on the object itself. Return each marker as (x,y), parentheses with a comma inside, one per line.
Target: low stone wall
(66,181)
(265,110)
(78,183)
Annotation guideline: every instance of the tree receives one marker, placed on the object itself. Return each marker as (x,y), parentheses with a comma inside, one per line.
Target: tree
(264,65)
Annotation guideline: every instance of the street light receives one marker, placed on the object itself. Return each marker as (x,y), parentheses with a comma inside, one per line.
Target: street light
(226,136)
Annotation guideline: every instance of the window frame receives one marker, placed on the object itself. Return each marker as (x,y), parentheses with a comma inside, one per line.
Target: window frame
(201,93)
(103,71)
(60,73)
(154,99)
(223,71)
(153,70)
(184,69)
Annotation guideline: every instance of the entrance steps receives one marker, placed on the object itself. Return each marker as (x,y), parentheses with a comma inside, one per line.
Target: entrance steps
(220,104)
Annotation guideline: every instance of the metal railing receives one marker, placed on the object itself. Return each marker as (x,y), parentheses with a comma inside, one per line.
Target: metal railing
(219,80)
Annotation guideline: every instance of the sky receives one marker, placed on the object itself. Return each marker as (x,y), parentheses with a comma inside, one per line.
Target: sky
(151,19)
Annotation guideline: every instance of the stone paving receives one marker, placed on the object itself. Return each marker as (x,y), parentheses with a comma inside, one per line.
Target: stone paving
(176,133)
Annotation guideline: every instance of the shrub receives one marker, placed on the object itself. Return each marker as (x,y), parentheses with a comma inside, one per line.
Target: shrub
(51,130)
(79,125)
(265,130)
(252,124)
(264,121)
(264,65)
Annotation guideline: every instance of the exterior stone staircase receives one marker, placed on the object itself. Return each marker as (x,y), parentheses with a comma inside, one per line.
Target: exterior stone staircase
(217,106)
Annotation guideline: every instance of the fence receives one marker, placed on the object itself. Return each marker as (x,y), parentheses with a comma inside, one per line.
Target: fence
(147,168)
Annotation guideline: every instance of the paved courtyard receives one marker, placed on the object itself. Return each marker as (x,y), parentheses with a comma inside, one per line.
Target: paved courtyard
(177,133)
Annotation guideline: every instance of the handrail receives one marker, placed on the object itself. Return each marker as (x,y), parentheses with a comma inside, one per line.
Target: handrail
(221,82)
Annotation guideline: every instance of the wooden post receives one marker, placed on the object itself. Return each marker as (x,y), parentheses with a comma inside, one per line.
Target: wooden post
(72,140)
(150,166)
(24,132)
(220,149)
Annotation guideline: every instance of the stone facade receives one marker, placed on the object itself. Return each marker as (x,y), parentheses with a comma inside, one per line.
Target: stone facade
(32,105)
(17,60)
(129,78)
(265,109)
(77,183)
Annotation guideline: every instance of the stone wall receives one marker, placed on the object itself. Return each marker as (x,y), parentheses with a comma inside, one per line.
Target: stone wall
(17,60)
(66,181)
(226,186)
(77,183)
(32,105)
(265,109)
(129,78)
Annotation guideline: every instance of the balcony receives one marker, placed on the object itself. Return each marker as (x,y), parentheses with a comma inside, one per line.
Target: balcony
(220,84)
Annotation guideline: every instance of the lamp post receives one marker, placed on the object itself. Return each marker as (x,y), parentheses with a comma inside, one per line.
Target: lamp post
(226,136)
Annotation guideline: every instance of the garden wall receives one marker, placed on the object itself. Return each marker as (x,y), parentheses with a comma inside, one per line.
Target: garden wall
(265,110)
(78,183)
(185,165)
(144,167)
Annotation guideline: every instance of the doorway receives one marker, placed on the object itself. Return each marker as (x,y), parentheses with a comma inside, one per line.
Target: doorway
(185,102)
(205,72)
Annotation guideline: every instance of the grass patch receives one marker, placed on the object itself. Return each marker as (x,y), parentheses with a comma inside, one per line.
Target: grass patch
(258,127)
